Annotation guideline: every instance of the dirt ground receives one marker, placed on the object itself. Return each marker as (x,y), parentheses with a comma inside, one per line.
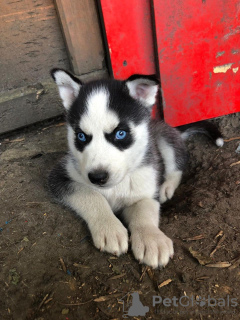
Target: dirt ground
(50,269)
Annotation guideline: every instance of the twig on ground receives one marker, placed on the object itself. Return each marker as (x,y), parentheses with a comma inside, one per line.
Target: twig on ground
(199,237)
(55,125)
(231,139)
(75,304)
(44,299)
(218,245)
(12,141)
(63,265)
(223,264)
(234,163)
(235,263)
(220,234)
(144,270)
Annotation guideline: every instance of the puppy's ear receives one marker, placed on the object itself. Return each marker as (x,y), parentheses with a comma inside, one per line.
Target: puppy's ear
(68,86)
(143,88)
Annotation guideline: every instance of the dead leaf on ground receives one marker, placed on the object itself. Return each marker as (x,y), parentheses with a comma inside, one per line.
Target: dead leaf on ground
(164,283)
(223,264)
(14,277)
(226,289)
(201,258)
(101,299)
(65,311)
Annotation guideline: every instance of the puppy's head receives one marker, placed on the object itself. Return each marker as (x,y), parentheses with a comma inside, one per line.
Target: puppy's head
(107,124)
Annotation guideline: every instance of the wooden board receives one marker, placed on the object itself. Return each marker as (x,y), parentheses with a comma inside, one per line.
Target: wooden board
(31,42)
(81,30)
(23,106)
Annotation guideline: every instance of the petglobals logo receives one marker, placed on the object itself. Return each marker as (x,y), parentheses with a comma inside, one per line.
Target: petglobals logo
(190,301)
(133,308)
(132,305)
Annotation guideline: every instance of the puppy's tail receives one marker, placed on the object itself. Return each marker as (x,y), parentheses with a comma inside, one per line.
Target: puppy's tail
(205,127)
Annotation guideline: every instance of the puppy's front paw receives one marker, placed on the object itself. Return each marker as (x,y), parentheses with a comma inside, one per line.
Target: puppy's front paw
(167,190)
(110,236)
(151,246)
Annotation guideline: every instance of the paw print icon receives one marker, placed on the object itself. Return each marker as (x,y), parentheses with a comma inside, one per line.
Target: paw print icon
(201,301)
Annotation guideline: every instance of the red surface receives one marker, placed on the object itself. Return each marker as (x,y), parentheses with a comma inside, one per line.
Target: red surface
(130,38)
(129,35)
(193,38)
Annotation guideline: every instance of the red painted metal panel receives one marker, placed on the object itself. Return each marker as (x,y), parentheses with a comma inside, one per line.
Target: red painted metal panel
(199,56)
(129,36)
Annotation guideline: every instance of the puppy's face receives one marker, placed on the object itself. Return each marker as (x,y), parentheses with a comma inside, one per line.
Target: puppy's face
(107,125)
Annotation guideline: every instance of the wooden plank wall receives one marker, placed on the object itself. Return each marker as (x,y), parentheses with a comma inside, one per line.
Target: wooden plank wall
(32,43)
(82,33)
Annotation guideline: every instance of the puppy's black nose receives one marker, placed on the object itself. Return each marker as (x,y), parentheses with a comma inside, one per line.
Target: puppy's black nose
(98,177)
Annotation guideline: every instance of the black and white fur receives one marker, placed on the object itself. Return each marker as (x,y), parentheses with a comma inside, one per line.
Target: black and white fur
(104,174)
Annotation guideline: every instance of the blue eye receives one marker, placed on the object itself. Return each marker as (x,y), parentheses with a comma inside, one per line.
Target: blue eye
(120,134)
(81,136)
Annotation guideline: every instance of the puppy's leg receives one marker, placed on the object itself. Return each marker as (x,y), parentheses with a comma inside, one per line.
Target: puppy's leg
(107,231)
(149,244)
(174,160)
(167,189)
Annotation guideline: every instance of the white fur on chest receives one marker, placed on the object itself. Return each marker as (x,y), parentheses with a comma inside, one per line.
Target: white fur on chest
(142,183)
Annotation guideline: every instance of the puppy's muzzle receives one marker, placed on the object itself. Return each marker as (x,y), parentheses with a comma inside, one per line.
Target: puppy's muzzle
(98,177)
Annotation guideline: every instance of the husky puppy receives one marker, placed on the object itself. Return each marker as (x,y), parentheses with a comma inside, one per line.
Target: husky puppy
(119,159)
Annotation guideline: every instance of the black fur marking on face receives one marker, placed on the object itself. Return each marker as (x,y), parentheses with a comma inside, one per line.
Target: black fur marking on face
(118,143)
(126,107)
(80,145)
